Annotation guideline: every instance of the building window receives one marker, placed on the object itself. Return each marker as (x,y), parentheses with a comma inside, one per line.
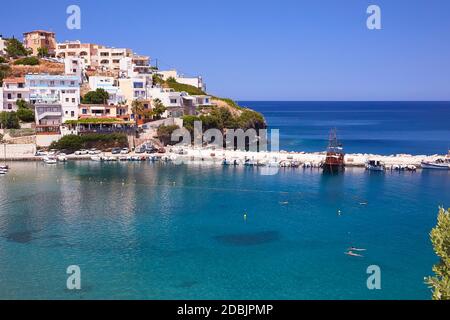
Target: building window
(19,96)
(9,106)
(72,113)
(9,96)
(173,101)
(138,85)
(73,100)
(84,111)
(67,99)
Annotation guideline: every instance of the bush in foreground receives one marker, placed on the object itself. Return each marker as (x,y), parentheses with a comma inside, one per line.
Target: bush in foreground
(440,238)
(101,141)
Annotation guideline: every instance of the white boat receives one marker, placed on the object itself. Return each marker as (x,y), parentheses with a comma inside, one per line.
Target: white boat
(375,165)
(49,160)
(96,158)
(3,172)
(62,157)
(439,164)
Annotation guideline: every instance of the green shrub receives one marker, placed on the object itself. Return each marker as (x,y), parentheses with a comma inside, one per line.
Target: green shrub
(4,72)
(9,120)
(3,60)
(165,134)
(28,61)
(181,87)
(440,238)
(25,115)
(99,96)
(91,140)
(14,48)
(94,121)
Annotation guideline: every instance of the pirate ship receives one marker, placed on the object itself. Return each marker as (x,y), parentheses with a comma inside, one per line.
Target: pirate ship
(334,161)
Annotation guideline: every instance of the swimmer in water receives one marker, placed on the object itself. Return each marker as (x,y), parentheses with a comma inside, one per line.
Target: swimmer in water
(356,249)
(351,253)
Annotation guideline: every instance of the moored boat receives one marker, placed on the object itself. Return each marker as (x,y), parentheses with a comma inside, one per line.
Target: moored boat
(438,164)
(375,165)
(334,161)
(62,157)
(49,160)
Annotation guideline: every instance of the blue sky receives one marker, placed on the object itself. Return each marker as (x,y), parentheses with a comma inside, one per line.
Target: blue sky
(270,50)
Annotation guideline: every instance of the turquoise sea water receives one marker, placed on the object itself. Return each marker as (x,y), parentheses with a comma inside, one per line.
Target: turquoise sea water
(164,231)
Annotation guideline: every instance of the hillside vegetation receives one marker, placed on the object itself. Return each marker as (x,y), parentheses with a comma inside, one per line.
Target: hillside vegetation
(225,114)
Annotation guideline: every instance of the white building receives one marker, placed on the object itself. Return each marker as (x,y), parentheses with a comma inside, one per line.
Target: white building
(109,84)
(13,89)
(192,81)
(86,51)
(134,89)
(74,66)
(56,98)
(2,45)
(109,58)
(135,66)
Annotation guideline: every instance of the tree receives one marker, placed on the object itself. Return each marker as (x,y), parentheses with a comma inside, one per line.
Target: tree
(137,107)
(440,238)
(158,108)
(22,104)
(5,70)
(9,120)
(25,115)
(99,96)
(165,134)
(157,79)
(42,52)
(14,48)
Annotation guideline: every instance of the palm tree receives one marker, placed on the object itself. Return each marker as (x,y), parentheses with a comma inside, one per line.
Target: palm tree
(137,107)
(158,108)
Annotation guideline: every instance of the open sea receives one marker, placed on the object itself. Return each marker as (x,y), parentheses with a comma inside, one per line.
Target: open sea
(364,127)
(166,231)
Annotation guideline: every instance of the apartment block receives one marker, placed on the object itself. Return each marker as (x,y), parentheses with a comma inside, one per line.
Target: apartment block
(59,93)
(14,89)
(86,51)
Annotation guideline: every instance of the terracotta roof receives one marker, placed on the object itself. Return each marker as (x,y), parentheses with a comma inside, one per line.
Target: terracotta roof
(14,80)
